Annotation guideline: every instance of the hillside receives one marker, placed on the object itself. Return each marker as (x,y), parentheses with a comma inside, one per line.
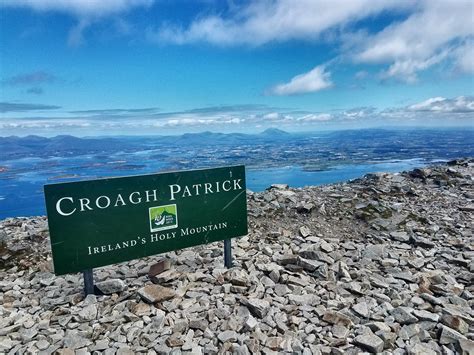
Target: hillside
(382,263)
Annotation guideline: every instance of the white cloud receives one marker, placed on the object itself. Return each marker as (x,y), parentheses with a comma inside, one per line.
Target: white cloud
(433,32)
(315,80)
(45,124)
(407,69)
(271,116)
(184,122)
(358,113)
(461,104)
(315,117)
(265,21)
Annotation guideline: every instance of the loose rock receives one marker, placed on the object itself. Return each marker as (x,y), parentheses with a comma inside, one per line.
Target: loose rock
(156,293)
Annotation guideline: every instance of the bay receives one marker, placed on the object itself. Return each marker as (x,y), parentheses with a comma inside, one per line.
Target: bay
(270,157)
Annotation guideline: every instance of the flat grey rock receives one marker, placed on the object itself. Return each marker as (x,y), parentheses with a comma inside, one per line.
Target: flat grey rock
(108,287)
(156,293)
(370,342)
(228,336)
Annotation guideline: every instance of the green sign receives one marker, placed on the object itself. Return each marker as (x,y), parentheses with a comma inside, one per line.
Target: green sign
(106,221)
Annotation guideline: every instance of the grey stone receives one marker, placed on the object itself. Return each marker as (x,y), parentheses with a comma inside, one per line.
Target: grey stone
(408,331)
(281,290)
(100,345)
(335,317)
(309,299)
(200,324)
(279,186)
(167,276)
(403,315)
(425,315)
(309,265)
(9,329)
(401,236)
(251,323)
(159,267)
(82,351)
(257,307)
(370,342)
(362,309)
(108,287)
(376,251)
(125,351)
(174,340)
(253,345)
(455,322)
(228,336)
(405,276)
(73,340)
(343,270)
(305,208)
(326,247)
(449,336)
(339,331)
(156,293)
(42,344)
(420,349)
(180,326)
(376,326)
(240,350)
(274,343)
(238,277)
(88,313)
(305,231)
(162,349)
(388,338)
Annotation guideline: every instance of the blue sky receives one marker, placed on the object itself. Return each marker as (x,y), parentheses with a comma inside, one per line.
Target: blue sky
(95,67)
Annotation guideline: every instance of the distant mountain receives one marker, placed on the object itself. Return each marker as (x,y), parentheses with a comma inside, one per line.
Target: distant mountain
(14,147)
(274,132)
(33,146)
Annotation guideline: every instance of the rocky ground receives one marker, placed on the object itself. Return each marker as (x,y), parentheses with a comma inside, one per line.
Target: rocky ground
(383,264)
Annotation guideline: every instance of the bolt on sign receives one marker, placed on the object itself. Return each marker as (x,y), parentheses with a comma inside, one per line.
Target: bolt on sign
(101,222)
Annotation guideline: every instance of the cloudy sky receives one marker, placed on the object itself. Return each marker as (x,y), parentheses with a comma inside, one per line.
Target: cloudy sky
(95,67)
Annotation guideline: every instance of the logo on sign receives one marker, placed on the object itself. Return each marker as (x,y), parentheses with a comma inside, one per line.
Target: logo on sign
(163,217)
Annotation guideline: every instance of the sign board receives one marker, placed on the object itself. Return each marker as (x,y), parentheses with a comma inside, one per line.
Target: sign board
(106,221)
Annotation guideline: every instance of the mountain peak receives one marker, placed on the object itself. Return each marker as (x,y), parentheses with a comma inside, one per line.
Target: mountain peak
(274,132)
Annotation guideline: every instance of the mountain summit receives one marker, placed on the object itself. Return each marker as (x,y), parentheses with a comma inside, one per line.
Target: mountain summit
(274,132)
